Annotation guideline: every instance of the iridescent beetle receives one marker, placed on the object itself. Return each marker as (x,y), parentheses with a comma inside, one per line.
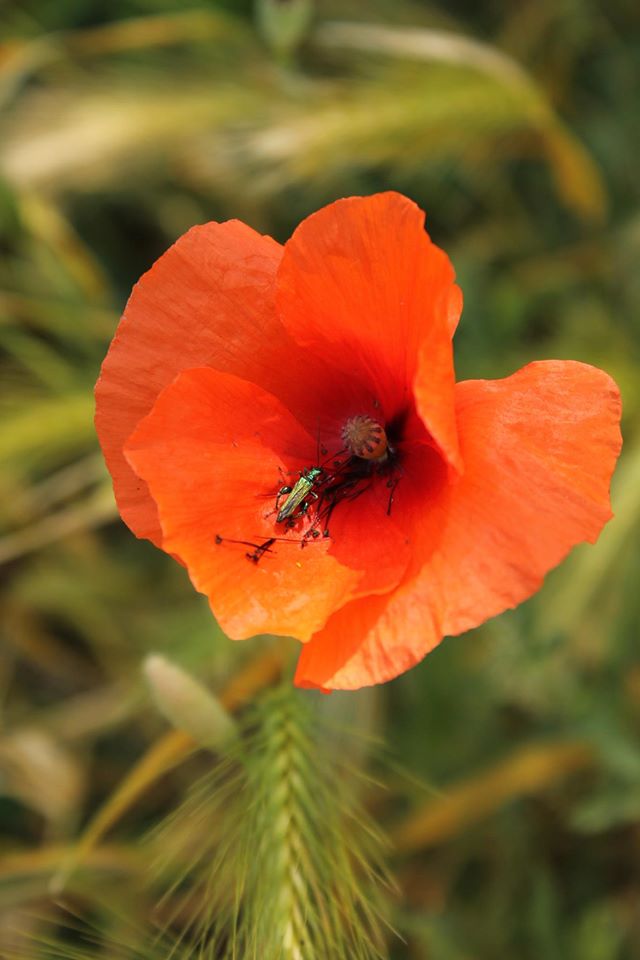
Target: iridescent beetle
(299,497)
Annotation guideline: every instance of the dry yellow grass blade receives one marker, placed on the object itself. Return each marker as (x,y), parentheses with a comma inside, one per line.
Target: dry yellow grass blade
(577,178)
(530,770)
(71,139)
(21,59)
(44,860)
(44,220)
(410,43)
(140,33)
(165,753)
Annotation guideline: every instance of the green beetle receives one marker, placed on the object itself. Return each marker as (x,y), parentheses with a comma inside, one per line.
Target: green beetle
(299,496)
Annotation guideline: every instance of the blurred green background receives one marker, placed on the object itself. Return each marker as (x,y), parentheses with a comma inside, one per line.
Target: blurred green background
(516,126)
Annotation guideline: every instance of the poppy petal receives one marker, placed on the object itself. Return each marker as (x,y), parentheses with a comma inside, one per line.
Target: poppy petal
(362,285)
(214,451)
(365,537)
(539,449)
(207,300)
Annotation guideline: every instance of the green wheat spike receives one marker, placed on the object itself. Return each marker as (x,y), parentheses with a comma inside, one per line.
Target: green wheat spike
(274,850)
(305,897)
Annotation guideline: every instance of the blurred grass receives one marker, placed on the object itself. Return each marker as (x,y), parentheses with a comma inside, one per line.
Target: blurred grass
(516,127)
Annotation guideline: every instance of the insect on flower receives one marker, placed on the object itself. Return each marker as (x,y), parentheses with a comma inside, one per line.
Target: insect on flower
(316,486)
(453,500)
(299,497)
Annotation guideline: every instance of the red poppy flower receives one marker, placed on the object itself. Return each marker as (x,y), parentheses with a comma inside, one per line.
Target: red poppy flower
(240,364)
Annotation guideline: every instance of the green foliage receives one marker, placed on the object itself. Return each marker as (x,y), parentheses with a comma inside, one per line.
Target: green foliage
(515,126)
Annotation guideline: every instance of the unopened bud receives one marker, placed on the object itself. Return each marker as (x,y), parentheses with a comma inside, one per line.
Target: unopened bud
(186,704)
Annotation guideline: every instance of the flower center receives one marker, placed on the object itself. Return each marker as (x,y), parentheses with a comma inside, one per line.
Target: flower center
(366,438)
